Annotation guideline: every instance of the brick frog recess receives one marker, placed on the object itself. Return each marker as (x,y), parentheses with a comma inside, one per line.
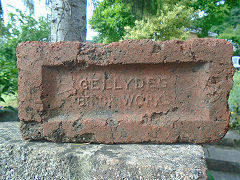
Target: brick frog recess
(125,92)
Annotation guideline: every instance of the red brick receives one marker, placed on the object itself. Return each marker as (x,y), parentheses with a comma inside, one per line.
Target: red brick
(125,92)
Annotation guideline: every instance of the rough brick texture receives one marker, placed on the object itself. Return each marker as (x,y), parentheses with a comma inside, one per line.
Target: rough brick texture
(125,92)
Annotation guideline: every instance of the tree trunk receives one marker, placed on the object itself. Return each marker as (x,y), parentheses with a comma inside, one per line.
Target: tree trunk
(68,20)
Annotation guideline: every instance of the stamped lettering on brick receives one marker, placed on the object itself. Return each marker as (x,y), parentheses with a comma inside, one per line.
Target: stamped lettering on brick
(123,88)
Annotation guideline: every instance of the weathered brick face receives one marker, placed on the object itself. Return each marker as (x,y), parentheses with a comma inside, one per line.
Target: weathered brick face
(126,92)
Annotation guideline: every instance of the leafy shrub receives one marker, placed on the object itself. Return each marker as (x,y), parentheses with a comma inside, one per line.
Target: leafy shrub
(170,23)
(20,28)
(234,102)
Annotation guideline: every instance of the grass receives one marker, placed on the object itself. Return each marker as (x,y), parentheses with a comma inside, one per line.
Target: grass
(210,176)
(10,100)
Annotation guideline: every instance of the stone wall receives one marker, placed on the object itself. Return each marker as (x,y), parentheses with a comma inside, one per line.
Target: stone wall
(45,160)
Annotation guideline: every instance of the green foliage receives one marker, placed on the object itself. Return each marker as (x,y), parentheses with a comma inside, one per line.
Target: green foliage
(210,176)
(6,109)
(20,28)
(143,8)
(10,100)
(162,20)
(170,23)
(157,19)
(109,19)
(232,34)
(233,3)
(230,29)
(214,13)
(222,17)
(234,102)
